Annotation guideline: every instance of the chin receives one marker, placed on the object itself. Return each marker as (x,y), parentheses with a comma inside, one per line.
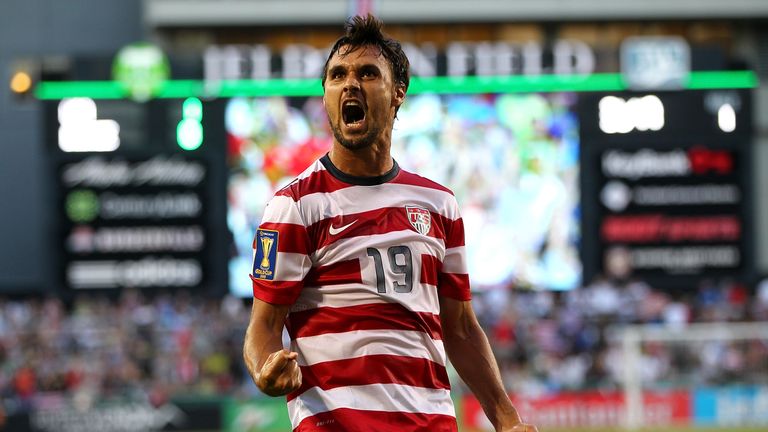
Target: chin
(355,143)
(358,141)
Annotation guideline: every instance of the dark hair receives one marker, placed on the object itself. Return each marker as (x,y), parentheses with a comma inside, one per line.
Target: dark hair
(364,31)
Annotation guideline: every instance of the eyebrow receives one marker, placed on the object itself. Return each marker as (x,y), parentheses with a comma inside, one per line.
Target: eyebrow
(335,69)
(370,67)
(363,68)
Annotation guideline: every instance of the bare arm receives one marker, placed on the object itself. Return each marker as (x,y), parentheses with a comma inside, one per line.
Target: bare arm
(273,369)
(471,355)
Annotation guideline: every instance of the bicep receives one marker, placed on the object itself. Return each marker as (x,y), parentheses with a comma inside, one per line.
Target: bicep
(267,318)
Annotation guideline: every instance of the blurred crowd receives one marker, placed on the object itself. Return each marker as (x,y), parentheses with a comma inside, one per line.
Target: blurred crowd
(97,348)
(131,348)
(549,342)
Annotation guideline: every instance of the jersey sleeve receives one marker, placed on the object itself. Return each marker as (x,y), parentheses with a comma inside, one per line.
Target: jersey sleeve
(280,253)
(453,279)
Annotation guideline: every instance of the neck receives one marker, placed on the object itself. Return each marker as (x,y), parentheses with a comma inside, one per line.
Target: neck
(374,160)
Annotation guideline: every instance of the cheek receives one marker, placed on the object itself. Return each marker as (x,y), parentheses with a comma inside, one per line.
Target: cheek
(329,109)
(385,101)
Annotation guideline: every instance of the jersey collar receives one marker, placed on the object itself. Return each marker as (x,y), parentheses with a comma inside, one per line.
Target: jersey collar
(359,180)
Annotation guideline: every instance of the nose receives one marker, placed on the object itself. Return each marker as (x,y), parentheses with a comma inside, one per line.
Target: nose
(351,84)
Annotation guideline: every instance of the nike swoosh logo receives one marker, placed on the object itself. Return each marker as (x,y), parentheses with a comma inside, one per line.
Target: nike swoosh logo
(335,231)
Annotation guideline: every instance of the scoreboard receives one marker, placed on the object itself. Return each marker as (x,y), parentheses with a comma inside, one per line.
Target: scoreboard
(666,185)
(133,208)
(140,190)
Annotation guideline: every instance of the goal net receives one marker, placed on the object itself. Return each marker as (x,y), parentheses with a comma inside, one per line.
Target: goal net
(714,374)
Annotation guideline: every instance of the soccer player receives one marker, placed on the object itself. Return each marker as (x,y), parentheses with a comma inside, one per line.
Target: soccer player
(364,264)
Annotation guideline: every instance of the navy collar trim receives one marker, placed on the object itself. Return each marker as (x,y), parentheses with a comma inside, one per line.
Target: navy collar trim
(359,180)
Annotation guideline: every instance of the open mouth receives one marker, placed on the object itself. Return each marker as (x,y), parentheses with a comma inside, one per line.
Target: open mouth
(352,113)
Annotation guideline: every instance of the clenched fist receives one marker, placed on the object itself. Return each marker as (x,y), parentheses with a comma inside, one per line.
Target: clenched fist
(521,427)
(280,374)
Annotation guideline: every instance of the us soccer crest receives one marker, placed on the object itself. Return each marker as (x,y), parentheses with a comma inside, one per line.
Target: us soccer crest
(419,218)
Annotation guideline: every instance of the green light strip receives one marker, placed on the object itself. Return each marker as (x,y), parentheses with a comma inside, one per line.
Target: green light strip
(91,89)
(518,83)
(722,79)
(180,89)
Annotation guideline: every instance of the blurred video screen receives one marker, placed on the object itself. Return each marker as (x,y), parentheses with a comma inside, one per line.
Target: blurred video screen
(511,159)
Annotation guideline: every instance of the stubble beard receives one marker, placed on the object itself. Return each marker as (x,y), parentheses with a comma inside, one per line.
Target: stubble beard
(355,143)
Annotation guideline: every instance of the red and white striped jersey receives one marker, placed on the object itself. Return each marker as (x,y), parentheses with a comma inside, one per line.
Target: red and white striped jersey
(363,262)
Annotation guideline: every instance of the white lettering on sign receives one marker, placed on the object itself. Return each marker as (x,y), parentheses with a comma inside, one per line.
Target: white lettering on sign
(81,131)
(84,239)
(618,115)
(685,258)
(150,271)
(485,58)
(228,62)
(423,59)
(573,57)
(124,417)
(303,61)
(645,163)
(162,206)
(682,195)
(726,118)
(159,171)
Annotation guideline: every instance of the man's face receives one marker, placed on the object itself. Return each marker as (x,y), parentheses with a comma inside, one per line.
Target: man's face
(360,96)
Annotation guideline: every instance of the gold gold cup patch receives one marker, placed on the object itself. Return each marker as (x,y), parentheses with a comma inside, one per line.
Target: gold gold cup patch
(265,258)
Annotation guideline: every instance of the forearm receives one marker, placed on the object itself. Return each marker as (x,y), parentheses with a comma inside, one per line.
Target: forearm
(260,342)
(263,336)
(473,359)
(471,355)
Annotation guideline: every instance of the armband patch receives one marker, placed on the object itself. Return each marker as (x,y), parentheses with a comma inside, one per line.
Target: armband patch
(265,257)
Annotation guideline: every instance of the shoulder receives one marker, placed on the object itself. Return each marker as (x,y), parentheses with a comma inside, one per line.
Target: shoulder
(413,179)
(312,180)
(435,196)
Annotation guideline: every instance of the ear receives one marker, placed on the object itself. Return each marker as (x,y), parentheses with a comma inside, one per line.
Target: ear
(398,96)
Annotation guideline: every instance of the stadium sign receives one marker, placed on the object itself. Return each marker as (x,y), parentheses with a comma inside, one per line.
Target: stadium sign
(133,221)
(672,201)
(129,417)
(655,62)
(459,59)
